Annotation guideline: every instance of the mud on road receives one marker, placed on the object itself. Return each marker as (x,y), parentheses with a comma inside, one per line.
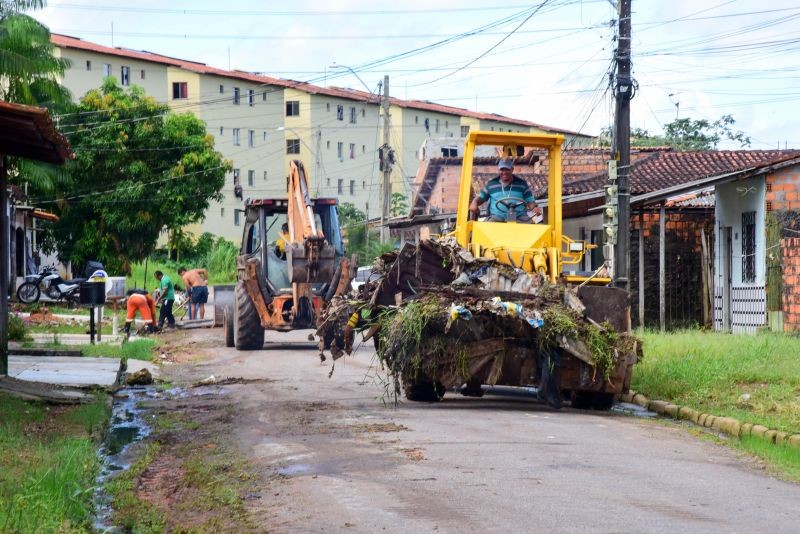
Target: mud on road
(274,445)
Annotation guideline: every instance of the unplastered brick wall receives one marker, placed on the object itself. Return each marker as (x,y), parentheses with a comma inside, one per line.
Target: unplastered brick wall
(783,189)
(790,247)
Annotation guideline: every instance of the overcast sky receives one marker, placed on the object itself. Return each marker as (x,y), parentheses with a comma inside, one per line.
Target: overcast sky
(546,63)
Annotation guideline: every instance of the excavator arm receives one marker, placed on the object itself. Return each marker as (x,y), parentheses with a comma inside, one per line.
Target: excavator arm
(310,257)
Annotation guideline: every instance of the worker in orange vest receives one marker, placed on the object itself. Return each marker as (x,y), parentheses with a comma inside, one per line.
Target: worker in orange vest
(141,301)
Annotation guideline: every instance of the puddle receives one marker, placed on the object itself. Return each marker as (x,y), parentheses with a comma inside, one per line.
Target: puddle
(295,469)
(628,408)
(127,426)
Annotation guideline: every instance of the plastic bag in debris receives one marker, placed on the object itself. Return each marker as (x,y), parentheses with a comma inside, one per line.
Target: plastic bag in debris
(532,317)
(456,311)
(462,280)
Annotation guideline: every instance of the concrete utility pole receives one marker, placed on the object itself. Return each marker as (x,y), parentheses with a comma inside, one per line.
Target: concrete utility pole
(386,163)
(4,267)
(623,91)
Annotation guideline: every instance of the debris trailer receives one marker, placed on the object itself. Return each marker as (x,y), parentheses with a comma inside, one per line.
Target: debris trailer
(291,263)
(490,304)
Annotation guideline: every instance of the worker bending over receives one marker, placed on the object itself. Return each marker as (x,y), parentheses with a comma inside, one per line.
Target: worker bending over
(139,300)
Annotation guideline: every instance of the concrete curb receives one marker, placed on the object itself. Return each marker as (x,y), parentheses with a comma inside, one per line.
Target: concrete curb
(726,425)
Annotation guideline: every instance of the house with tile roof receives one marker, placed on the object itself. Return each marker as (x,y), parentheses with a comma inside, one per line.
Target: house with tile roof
(729,220)
(261,122)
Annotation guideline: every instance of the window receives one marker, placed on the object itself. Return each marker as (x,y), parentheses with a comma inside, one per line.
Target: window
(352,187)
(141,73)
(251,138)
(179,90)
(352,115)
(363,112)
(221,89)
(222,212)
(340,113)
(236,96)
(236,177)
(363,149)
(364,184)
(265,176)
(251,178)
(265,135)
(251,97)
(264,96)
(447,125)
(106,70)
(340,186)
(293,108)
(352,151)
(293,146)
(464,131)
(340,151)
(427,124)
(236,220)
(125,75)
(236,137)
(437,125)
(328,145)
(749,247)
(88,65)
(416,119)
(222,130)
(328,106)
(449,152)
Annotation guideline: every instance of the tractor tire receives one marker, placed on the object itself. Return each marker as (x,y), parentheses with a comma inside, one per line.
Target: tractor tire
(590,400)
(227,326)
(422,389)
(247,331)
(28,293)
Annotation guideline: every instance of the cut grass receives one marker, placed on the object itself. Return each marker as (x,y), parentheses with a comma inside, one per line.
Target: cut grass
(140,349)
(755,379)
(49,464)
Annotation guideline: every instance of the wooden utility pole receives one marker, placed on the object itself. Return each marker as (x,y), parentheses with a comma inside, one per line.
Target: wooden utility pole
(623,91)
(387,164)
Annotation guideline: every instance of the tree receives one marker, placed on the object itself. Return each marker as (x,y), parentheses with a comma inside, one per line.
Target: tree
(355,225)
(686,134)
(139,168)
(399,205)
(29,74)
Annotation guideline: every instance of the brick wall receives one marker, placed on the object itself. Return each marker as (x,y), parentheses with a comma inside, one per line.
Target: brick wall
(783,189)
(790,298)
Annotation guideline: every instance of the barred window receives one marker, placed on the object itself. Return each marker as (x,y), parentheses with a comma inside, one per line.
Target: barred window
(749,247)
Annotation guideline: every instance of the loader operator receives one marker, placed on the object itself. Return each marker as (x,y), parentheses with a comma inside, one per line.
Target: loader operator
(280,243)
(507,195)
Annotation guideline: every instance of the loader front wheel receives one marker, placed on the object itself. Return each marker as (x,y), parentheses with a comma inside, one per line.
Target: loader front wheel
(423,390)
(591,400)
(247,331)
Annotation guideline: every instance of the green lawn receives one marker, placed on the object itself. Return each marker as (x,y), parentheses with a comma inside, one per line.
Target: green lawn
(755,379)
(138,349)
(48,465)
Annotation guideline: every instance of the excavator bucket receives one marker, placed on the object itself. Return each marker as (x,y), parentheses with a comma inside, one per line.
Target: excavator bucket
(312,263)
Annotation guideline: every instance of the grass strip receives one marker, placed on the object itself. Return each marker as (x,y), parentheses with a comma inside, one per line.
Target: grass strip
(49,464)
(755,379)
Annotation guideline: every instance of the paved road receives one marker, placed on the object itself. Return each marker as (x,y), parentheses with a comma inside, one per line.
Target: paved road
(338,459)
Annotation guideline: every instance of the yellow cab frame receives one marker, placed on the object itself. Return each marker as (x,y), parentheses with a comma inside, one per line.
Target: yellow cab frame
(538,248)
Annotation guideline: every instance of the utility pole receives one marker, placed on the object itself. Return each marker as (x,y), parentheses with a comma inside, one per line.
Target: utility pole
(386,164)
(623,91)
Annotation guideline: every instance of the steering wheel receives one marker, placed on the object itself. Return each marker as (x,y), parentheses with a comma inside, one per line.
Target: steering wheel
(510,204)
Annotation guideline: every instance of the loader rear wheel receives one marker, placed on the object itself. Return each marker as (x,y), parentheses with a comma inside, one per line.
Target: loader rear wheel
(591,400)
(423,390)
(247,331)
(227,326)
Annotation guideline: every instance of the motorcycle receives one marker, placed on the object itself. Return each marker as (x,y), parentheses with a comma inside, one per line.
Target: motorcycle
(53,286)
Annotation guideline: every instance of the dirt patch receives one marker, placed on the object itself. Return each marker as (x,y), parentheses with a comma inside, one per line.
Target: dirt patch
(229,381)
(415,455)
(378,427)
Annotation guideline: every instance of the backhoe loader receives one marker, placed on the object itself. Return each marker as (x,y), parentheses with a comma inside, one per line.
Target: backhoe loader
(290,264)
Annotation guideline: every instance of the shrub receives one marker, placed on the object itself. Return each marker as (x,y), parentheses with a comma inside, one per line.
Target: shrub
(16,328)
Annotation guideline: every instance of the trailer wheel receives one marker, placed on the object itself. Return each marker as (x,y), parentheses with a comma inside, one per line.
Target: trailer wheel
(423,390)
(590,400)
(247,331)
(227,326)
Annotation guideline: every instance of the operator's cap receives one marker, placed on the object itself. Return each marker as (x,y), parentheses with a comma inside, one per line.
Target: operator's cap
(506,164)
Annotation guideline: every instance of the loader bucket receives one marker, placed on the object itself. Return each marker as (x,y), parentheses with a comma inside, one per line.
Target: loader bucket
(610,304)
(312,263)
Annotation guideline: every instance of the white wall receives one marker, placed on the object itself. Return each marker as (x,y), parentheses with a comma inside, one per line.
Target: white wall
(733,199)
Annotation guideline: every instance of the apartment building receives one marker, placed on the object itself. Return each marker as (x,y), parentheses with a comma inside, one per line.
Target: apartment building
(260,123)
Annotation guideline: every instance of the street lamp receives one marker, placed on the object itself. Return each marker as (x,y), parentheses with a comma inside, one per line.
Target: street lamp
(354,73)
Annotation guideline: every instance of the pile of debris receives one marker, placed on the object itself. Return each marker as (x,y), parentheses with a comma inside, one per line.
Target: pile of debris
(441,318)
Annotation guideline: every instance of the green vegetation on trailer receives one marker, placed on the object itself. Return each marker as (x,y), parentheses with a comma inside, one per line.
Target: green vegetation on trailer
(755,379)
(49,464)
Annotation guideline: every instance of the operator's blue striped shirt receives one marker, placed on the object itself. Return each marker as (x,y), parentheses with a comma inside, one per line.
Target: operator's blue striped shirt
(494,190)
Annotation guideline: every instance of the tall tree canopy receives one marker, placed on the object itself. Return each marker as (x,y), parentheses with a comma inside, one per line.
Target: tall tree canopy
(139,168)
(687,134)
